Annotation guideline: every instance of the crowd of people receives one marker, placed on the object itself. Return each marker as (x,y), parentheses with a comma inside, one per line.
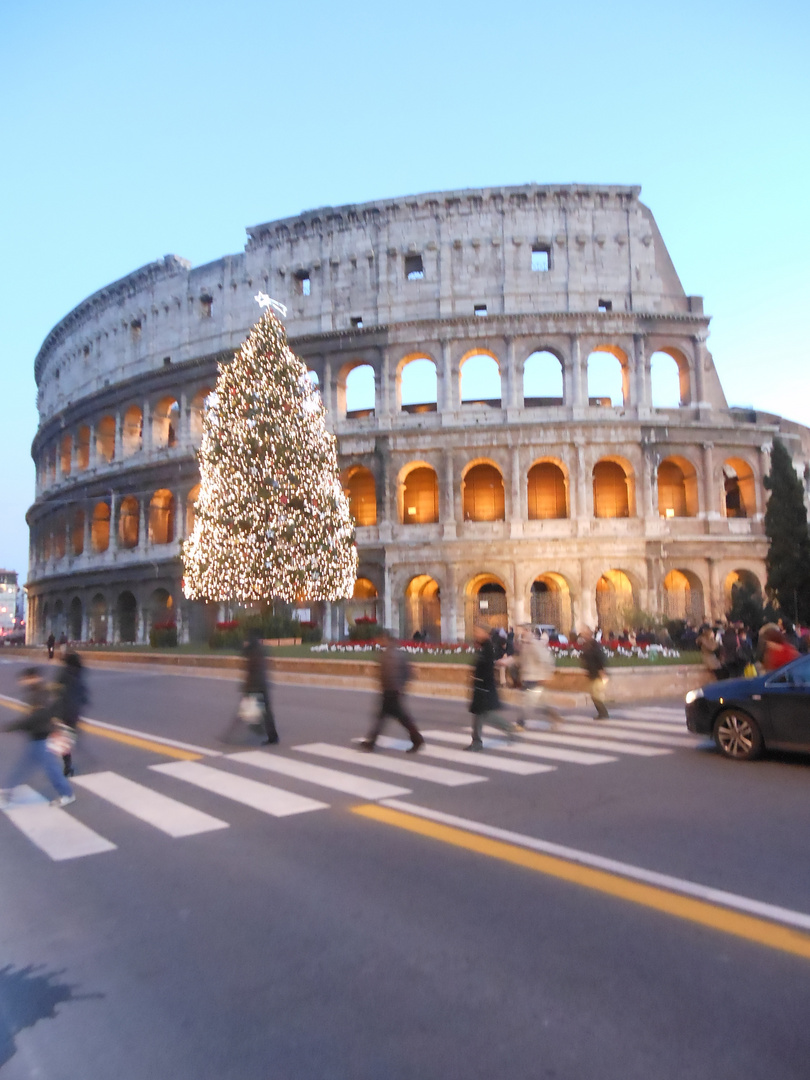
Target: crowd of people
(732,650)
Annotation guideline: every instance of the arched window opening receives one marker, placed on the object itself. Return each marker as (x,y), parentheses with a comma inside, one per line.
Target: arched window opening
(615,601)
(197,410)
(546,490)
(480,381)
(418,386)
(161,517)
(422,609)
(166,423)
(75,619)
(364,589)
(482,494)
(611,490)
(542,380)
(551,602)
(59,618)
(683,597)
(83,447)
(608,378)
(360,392)
(667,381)
(191,512)
(485,604)
(420,497)
(105,438)
(65,455)
(740,489)
(361,492)
(127,613)
(100,527)
(77,533)
(677,489)
(132,431)
(740,582)
(59,537)
(160,608)
(98,619)
(128,522)
(364,604)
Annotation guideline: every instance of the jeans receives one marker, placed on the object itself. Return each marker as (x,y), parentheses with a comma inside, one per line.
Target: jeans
(37,755)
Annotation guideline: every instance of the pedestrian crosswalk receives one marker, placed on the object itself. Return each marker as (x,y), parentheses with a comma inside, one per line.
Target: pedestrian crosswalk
(243,778)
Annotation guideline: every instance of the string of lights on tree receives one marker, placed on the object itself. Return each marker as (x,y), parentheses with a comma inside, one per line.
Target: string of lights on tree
(272,519)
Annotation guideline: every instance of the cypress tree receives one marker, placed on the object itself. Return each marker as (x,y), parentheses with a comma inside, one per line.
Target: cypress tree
(788,558)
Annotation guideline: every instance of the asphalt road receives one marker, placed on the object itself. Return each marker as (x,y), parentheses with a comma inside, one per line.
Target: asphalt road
(385,937)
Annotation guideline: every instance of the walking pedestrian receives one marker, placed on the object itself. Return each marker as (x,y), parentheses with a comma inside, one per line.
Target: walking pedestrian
(593,660)
(709,647)
(536,662)
(485,705)
(38,725)
(51,644)
(394,672)
(254,707)
(71,697)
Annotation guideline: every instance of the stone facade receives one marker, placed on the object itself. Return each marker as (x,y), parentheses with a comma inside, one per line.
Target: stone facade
(561,507)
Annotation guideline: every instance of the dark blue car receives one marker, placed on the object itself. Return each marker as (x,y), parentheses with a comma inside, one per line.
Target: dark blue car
(747,716)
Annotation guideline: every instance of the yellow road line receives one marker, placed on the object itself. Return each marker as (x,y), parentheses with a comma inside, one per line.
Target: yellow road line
(759,931)
(141,744)
(121,737)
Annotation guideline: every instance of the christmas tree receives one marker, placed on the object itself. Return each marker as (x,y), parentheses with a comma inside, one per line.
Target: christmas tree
(271,519)
(788,558)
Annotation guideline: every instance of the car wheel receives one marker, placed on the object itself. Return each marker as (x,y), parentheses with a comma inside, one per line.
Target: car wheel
(737,735)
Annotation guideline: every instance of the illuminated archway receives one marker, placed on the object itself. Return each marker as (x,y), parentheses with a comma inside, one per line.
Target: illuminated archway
(547,494)
(191,513)
(615,600)
(65,454)
(100,527)
(740,579)
(482,493)
(739,489)
(105,438)
(612,495)
(423,610)
(161,517)
(485,604)
(132,431)
(128,522)
(419,496)
(551,601)
(166,423)
(677,488)
(683,596)
(361,491)
(197,410)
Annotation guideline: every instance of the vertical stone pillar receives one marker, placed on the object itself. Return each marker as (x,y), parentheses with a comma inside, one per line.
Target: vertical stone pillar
(146,440)
(113,545)
(513,386)
(698,388)
(584,511)
(450,380)
(388,603)
(184,422)
(642,371)
(384,388)
(327,388)
(179,516)
(518,613)
(716,599)
(92,459)
(85,623)
(450,620)
(710,505)
(578,376)
(142,534)
(516,513)
(646,503)
(88,518)
(119,424)
(765,465)
(447,501)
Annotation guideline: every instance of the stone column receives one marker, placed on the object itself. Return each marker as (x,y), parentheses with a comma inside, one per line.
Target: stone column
(645,506)
(765,461)
(92,459)
(88,519)
(642,382)
(518,600)
(698,391)
(146,440)
(384,389)
(511,386)
(516,514)
(388,602)
(450,631)
(327,389)
(142,533)
(583,509)
(184,422)
(447,501)
(450,380)
(179,516)
(715,598)
(578,376)
(113,545)
(710,507)
(119,423)
(85,623)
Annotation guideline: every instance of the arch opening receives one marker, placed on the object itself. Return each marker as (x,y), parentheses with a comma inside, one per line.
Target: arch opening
(98,619)
(480,380)
(165,423)
(483,494)
(738,580)
(669,380)
(100,527)
(608,377)
(547,492)
(485,604)
(739,489)
(615,600)
(683,597)
(105,439)
(132,431)
(550,602)
(65,455)
(191,509)
(161,517)
(611,490)
(127,614)
(77,533)
(422,612)
(677,488)
(74,619)
(418,385)
(128,522)
(200,405)
(361,491)
(83,447)
(542,380)
(419,496)
(358,390)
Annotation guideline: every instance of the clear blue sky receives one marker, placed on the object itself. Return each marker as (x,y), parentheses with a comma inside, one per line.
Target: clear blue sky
(132,131)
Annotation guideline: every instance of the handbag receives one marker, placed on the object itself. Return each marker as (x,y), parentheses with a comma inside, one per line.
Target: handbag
(61,740)
(750,671)
(251,709)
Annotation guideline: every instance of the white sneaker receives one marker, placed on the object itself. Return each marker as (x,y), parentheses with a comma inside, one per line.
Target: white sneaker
(63,800)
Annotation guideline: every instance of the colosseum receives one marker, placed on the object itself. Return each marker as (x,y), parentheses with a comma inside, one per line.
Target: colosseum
(457,339)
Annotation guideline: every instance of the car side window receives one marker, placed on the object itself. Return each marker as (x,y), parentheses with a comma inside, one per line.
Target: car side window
(800,672)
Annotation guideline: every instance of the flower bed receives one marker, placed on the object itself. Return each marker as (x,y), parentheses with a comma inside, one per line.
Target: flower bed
(414,648)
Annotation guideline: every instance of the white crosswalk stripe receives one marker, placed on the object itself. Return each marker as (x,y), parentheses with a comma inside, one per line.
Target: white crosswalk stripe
(435,774)
(270,800)
(549,753)
(54,831)
(645,725)
(170,816)
(441,753)
(614,731)
(361,786)
(673,714)
(588,743)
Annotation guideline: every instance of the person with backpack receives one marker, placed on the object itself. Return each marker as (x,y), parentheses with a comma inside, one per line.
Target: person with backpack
(394,674)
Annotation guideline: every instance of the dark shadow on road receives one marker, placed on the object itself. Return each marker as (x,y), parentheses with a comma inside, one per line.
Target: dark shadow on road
(28,995)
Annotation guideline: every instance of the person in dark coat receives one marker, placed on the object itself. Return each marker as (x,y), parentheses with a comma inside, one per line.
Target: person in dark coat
(71,697)
(38,725)
(51,644)
(593,660)
(254,685)
(393,677)
(485,705)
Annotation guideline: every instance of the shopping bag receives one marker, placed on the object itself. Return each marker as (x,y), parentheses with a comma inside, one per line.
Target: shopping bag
(251,709)
(750,671)
(61,740)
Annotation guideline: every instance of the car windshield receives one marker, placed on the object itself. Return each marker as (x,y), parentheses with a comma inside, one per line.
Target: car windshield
(797,674)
